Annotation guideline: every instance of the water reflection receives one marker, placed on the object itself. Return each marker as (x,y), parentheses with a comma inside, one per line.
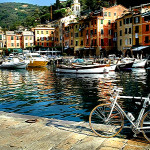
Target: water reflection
(41,92)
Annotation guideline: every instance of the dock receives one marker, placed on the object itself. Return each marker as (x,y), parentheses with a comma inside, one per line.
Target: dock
(23,132)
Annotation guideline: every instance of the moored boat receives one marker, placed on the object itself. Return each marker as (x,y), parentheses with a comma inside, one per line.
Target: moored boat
(139,63)
(86,69)
(36,60)
(14,63)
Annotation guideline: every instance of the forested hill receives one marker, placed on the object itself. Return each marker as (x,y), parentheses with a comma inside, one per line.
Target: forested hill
(16,14)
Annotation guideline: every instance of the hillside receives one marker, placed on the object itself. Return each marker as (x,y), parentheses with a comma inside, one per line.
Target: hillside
(16,14)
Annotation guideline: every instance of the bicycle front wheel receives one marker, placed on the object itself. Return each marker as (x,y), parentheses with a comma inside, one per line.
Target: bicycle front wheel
(146,123)
(104,126)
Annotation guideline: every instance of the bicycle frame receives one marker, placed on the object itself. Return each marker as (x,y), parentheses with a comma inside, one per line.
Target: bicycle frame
(135,124)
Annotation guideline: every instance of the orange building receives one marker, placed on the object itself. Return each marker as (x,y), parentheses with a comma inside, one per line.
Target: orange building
(13,39)
(146,28)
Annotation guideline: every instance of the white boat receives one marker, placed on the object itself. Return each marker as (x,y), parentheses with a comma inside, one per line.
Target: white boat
(139,63)
(86,69)
(125,63)
(36,60)
(14,63)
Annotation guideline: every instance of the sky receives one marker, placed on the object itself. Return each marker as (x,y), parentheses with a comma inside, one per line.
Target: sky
(35,2)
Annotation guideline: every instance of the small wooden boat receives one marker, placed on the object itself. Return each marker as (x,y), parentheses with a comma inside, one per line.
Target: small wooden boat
(93,68)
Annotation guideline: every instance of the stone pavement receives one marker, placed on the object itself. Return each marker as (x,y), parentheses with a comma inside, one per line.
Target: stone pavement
(18,133)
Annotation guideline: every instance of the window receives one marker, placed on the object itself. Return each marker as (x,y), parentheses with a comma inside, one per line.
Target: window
(12,38)
(71,34)
(146,39)
(147,27)
(130,41)
(81,33)
(115,14)
(109,22)
(130,30)
(86,32)
(76,43)
(42,38)
(109,14)
(95,31)
(126,31)
(12,44)
(82,43)
(37,38)
(17,44)
(0,37)
(126,41)
(102,31)
(26,38)
(120,23)
(137,20)
(102,42)
(47,38)
(120,32)
(91,32)
(110,32)
(42,44)
(26,44)
(71,42)
(76,35)
(37,32)
(105,13)
(120,42)
(41,32)
(47,44)
(17,38)
(46,32)
(102,21)
(136,29)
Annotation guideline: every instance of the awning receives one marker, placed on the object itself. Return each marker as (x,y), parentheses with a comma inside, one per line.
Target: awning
(139,48)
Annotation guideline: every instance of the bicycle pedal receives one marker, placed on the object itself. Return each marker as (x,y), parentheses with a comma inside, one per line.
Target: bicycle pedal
(134,135)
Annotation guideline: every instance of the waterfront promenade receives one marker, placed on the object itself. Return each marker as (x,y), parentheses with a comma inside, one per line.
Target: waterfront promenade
(20,132)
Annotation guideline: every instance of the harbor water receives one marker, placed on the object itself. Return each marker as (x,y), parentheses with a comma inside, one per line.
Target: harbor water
(42,92)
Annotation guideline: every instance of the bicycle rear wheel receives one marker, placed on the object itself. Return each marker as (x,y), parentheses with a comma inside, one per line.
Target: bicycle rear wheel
(146,123)
(101,125)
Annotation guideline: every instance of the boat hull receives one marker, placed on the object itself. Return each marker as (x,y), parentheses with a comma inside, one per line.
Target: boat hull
(139,63)
(85,69)
(37,63)
(14,65)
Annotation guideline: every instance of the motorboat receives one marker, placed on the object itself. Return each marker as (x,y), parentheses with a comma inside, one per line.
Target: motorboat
(125,63)
(86,69)
(14,63)
(36,60)
(139,63)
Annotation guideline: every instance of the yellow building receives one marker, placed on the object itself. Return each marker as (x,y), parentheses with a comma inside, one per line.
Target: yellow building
(44,36)
(124,34)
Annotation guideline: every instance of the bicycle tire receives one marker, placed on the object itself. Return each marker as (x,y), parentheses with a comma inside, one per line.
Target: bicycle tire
(103,128)
(145,122)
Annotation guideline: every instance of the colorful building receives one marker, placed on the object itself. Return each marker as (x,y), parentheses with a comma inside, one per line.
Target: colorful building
(124,32)
(13,40)
(44,36)
(27,39)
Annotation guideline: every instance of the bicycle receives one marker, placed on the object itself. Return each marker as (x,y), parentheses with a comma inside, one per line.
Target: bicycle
(107,120)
